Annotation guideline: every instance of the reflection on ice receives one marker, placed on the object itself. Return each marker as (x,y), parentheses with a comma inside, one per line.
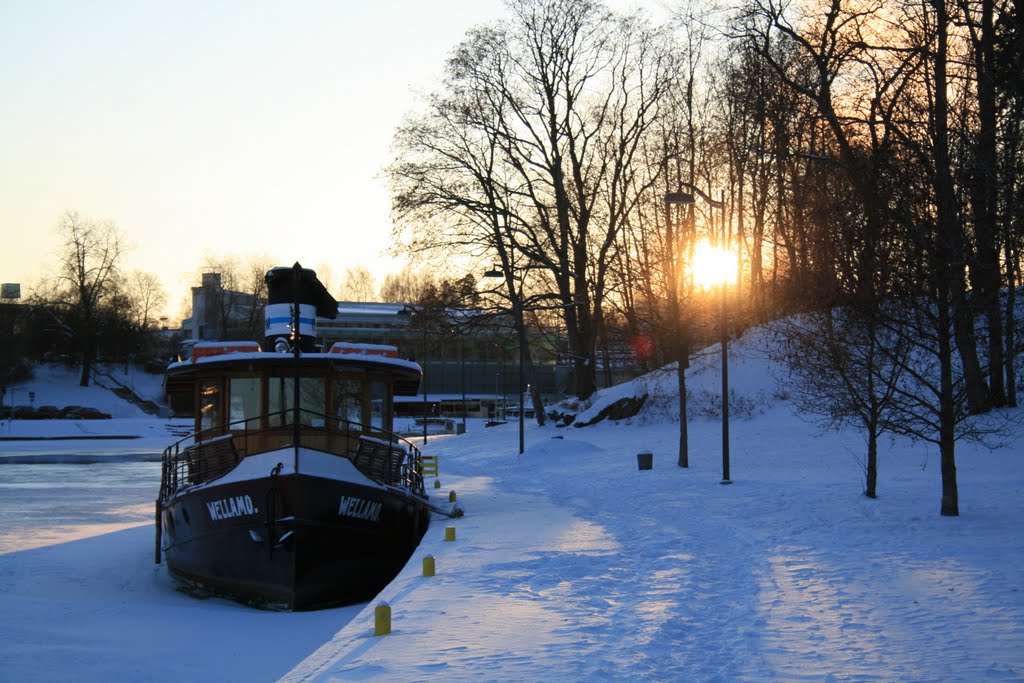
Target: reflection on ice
(43,505)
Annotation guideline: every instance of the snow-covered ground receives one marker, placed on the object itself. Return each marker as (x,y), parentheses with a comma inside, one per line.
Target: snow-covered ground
(570,564)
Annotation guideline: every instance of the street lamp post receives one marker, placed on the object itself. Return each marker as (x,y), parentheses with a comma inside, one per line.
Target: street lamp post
(425,402)
(462,378)
(714,266)
(725,385)
(517,312)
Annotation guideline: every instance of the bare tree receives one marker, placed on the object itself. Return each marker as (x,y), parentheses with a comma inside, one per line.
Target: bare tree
(404,286)
(146,298)
(525,156)
(358,284)
(845,368)
(89,257)
(325,274)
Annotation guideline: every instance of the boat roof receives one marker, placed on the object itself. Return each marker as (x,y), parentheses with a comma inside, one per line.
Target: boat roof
(408,371)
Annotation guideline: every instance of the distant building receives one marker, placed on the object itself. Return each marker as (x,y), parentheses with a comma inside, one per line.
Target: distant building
(10,291)
(219,313)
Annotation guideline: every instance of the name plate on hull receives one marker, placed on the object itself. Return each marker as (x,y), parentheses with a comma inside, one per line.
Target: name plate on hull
(359,508)
(228,508)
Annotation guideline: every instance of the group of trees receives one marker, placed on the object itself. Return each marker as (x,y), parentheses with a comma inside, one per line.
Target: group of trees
(913,113)
(867,156)
(91,306)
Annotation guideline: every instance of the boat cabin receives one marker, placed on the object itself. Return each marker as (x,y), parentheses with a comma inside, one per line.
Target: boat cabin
(251,395)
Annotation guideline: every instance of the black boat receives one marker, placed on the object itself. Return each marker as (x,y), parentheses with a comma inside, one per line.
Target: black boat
(293,492)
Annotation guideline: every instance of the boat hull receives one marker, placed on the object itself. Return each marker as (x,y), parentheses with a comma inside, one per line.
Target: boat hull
(292,541)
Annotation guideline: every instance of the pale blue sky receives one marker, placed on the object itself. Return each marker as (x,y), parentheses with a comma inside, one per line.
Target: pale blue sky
(219,127)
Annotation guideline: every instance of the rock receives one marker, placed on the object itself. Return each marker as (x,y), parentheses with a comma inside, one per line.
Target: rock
(619,410)
(561,419)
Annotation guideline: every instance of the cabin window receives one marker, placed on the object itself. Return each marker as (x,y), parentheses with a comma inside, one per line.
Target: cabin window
(378,404)
(244,393)
(209,405)
(348,401)
(312,401)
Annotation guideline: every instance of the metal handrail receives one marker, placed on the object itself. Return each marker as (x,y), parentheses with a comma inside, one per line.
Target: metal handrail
(184,456)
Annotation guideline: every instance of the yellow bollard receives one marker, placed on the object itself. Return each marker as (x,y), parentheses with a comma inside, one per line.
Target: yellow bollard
(382,619)
(437,483)
(449,533)
(451,496)
(428,565)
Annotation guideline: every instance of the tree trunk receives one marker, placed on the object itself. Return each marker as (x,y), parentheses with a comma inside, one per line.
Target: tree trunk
(947,418)
(680,347)
(89,342)
(950,287)
(871,471)
(1012,201)
(984,192)
(950,231)
(1011,330)
(684,447)
(1011,325)
(581,340)
(83,379)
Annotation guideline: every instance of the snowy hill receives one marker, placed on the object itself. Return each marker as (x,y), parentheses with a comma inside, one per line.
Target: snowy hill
(53,384)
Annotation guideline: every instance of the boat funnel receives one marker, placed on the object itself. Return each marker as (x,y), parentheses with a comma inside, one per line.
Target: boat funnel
(288,288)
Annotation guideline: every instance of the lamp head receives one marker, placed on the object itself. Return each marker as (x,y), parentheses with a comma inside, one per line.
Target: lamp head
(679,198)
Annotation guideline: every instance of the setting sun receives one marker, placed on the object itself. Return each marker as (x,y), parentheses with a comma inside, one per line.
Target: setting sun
(713,265)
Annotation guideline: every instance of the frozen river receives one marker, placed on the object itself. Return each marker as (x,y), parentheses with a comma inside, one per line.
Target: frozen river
(82,600)
(43,504)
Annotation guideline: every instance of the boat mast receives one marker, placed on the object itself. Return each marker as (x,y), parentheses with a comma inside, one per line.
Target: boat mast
(295,298)
(296,289)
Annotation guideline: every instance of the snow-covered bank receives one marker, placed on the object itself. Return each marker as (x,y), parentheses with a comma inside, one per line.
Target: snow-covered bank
(571,564)
(789,574)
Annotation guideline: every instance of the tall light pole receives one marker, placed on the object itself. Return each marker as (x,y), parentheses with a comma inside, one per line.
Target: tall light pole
(462,378)
(725,385)
(714,266)
(517,313)
(426,405)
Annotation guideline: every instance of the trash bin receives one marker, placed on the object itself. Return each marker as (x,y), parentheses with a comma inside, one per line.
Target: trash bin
(460,428)
(645,460)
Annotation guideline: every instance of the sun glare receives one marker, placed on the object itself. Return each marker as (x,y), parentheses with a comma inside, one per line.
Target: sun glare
(713,265)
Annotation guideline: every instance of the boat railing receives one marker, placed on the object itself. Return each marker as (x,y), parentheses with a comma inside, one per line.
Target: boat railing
(381,455)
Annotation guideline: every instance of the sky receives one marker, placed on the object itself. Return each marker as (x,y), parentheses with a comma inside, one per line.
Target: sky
(570,563)
(212,128)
